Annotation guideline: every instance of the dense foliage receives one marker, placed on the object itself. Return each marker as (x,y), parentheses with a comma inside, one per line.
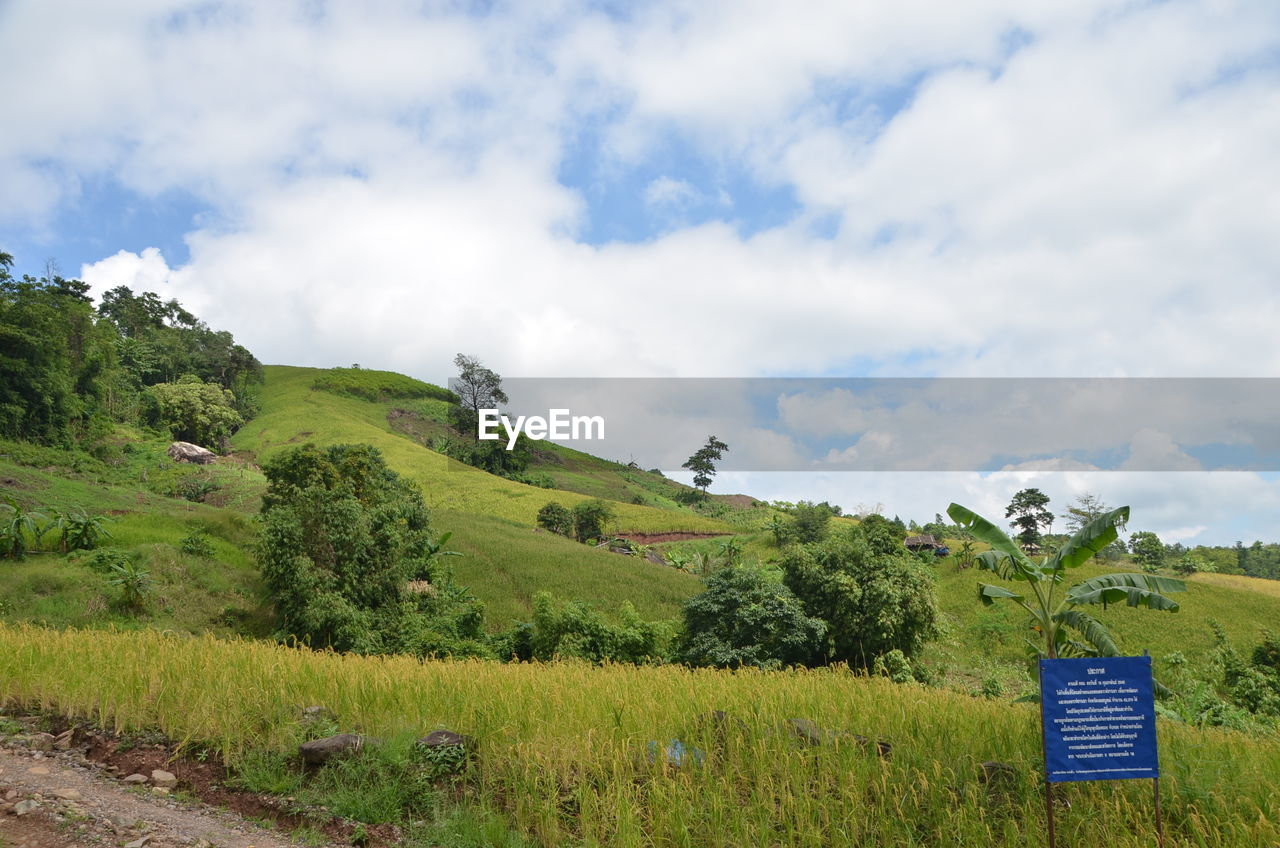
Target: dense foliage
(748,617)
(68,371)
(873,596)
(349,559)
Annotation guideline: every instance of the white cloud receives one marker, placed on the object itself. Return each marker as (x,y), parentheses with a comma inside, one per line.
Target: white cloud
(668,191)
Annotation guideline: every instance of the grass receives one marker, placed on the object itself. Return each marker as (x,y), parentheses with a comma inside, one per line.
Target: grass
(564,754)
(293,413)
(506,565)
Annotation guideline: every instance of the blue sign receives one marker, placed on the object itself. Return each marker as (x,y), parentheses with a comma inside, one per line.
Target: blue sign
(1099,719)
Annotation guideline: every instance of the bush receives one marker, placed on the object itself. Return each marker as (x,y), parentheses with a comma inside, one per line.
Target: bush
(872,601)
(575,630)
(349,560)
(556,518)
(589,519)
(198,544)
(747,616)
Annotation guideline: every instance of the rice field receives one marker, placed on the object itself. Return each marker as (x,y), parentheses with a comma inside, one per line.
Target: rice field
(573,754)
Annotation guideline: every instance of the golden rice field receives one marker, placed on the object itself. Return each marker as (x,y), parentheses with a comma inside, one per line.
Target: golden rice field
(564,749)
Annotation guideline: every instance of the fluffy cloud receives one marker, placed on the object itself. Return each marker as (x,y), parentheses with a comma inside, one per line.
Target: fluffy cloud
(992,188)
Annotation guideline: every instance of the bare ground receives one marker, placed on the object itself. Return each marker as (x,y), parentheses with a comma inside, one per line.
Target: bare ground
(56,801)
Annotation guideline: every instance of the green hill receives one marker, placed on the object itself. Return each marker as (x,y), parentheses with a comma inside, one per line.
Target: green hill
(154,505)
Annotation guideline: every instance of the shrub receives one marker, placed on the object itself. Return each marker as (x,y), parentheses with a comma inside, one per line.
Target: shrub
(589,519)
(198,544)
(556,518)
(747,617)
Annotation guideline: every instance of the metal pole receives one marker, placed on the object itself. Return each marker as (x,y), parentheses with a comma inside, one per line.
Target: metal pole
(1048,803)
(1155,781)
(1044,747)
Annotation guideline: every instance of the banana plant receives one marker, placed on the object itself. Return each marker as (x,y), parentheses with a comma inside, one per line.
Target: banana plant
(1055,609)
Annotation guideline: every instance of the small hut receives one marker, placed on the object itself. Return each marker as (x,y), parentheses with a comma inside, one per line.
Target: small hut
(922,543)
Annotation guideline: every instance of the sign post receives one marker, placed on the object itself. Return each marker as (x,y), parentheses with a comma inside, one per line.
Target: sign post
(1098,723)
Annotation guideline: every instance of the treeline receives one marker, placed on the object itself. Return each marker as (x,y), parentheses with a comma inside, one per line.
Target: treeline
(70,370)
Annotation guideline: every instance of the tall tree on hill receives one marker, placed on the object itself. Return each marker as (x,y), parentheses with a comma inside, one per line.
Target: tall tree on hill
(477,388)
(703,461)
(1029,512)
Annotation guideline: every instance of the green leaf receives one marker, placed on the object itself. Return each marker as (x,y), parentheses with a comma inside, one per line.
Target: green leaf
(1090,539)
(1098,637)
(988,593)
(984,531)
(1137,590)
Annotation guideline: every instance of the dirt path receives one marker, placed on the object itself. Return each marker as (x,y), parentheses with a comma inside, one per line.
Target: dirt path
(60,800)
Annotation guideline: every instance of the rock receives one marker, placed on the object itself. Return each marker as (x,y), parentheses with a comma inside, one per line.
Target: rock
(656,558)
(38,770)
(135,779)
(444,739)
(187,452)
(320,751)
(160,790)
(11,794)
(809,731)
(42,741)
(163,779)
(23,807)
(138,843)
(67,794)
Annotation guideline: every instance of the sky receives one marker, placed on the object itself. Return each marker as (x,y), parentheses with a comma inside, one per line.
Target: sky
(1085,188)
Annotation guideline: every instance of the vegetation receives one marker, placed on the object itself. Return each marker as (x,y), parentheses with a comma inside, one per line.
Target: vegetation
(72,371)
(703,462)
(564,754)
(477,388)
(348,557)
(872,595)
(1056,618)
(748,617)
(378,386)
(1030,514)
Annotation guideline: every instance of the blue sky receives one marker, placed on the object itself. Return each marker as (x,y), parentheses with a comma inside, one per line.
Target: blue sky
(1067,188)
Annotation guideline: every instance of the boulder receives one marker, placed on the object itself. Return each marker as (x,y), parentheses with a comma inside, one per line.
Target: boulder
(320,751)
(187,452)
(809,731)
(135,779)
(163,779)
(445,739)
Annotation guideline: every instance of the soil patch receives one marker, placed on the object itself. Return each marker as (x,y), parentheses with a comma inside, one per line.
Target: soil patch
(101,760)
(655,538)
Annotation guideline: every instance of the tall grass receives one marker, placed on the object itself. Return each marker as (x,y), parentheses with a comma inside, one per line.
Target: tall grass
(564,749)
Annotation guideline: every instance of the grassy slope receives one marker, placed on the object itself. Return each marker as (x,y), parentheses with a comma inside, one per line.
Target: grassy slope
(988,641)
(292,413)
(221,595)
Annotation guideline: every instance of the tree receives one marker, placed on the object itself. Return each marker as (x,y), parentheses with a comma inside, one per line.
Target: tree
(589,519)
(809,521)
(747,616)
(1086,508)
(193,411)
(555,518)
(702,463)
(1029,513)
(349,560)
(1059,620)
(477,388)
(873,600)
(1147,550)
